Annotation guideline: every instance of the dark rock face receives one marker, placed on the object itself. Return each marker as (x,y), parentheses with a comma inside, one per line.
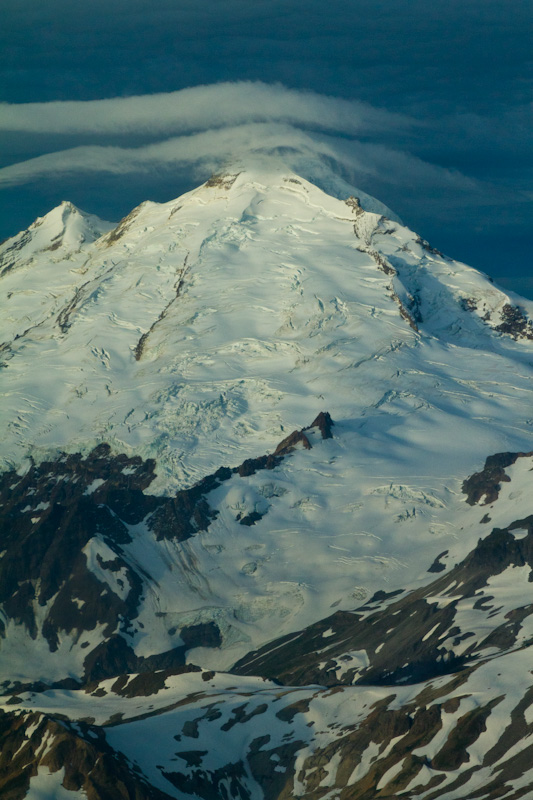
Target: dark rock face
(97,604)
(111,657)
(64,318)
(223,783)
(251,519)
(188,512)
(487,482)
(222,180)
(309,658)
(454,753)
(52,513)
(206,634)
(324,423)
(420,634)
(411,727)
(48,516)
(291,441)
(405,637)
(141,344)
(9,257)
(148,683)
(426,245)
(515,323)
(122,227)
(469,304)
(437,565)
(90,764)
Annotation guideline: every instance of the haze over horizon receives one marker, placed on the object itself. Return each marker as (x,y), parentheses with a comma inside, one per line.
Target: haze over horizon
(426,108)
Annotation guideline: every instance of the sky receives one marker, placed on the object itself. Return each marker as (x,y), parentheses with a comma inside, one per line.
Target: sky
(425,105)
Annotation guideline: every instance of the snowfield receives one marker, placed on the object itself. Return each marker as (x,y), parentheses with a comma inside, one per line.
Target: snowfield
(200,334)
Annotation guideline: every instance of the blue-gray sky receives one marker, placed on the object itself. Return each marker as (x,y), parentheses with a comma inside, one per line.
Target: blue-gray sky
(427,106)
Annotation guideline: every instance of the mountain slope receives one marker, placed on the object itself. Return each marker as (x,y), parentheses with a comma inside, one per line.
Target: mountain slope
(158,513)
(282,295)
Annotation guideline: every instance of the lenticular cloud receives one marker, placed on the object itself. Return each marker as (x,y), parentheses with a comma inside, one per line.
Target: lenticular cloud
(200,108)
(205,128)
(198,129)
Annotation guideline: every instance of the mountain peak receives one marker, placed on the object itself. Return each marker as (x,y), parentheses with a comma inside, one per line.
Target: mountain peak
(61,232)
(69,227)
(312,175)
(181,508)
(261,291)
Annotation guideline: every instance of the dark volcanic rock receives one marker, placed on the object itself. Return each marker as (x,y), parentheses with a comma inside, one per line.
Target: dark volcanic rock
(51,514)
(515,323)
(123,226)
(252,465)
(251,519)
(487,482)
(420,634)
(437,566)
(291,441)
(466,732)
(324,423)
(47,517)
(114,656)
(147,683)
(221,783)
(205,634)
(189,512)
(81,750)
(309,658)
(82,602)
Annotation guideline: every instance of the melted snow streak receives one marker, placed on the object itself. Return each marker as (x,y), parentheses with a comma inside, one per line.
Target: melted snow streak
(348,612)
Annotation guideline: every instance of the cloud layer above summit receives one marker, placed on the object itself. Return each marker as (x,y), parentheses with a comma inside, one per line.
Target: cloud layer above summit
(203,125)
(200,107)
(426,106)
(222,125)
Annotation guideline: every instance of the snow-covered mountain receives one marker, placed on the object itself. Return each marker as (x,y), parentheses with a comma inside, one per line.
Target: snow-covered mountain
(266,522)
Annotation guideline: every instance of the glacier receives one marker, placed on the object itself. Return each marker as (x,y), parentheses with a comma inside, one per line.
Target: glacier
(321,593)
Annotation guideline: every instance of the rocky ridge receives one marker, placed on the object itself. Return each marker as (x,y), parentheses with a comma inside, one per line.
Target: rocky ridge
(347,613)
(63,528)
